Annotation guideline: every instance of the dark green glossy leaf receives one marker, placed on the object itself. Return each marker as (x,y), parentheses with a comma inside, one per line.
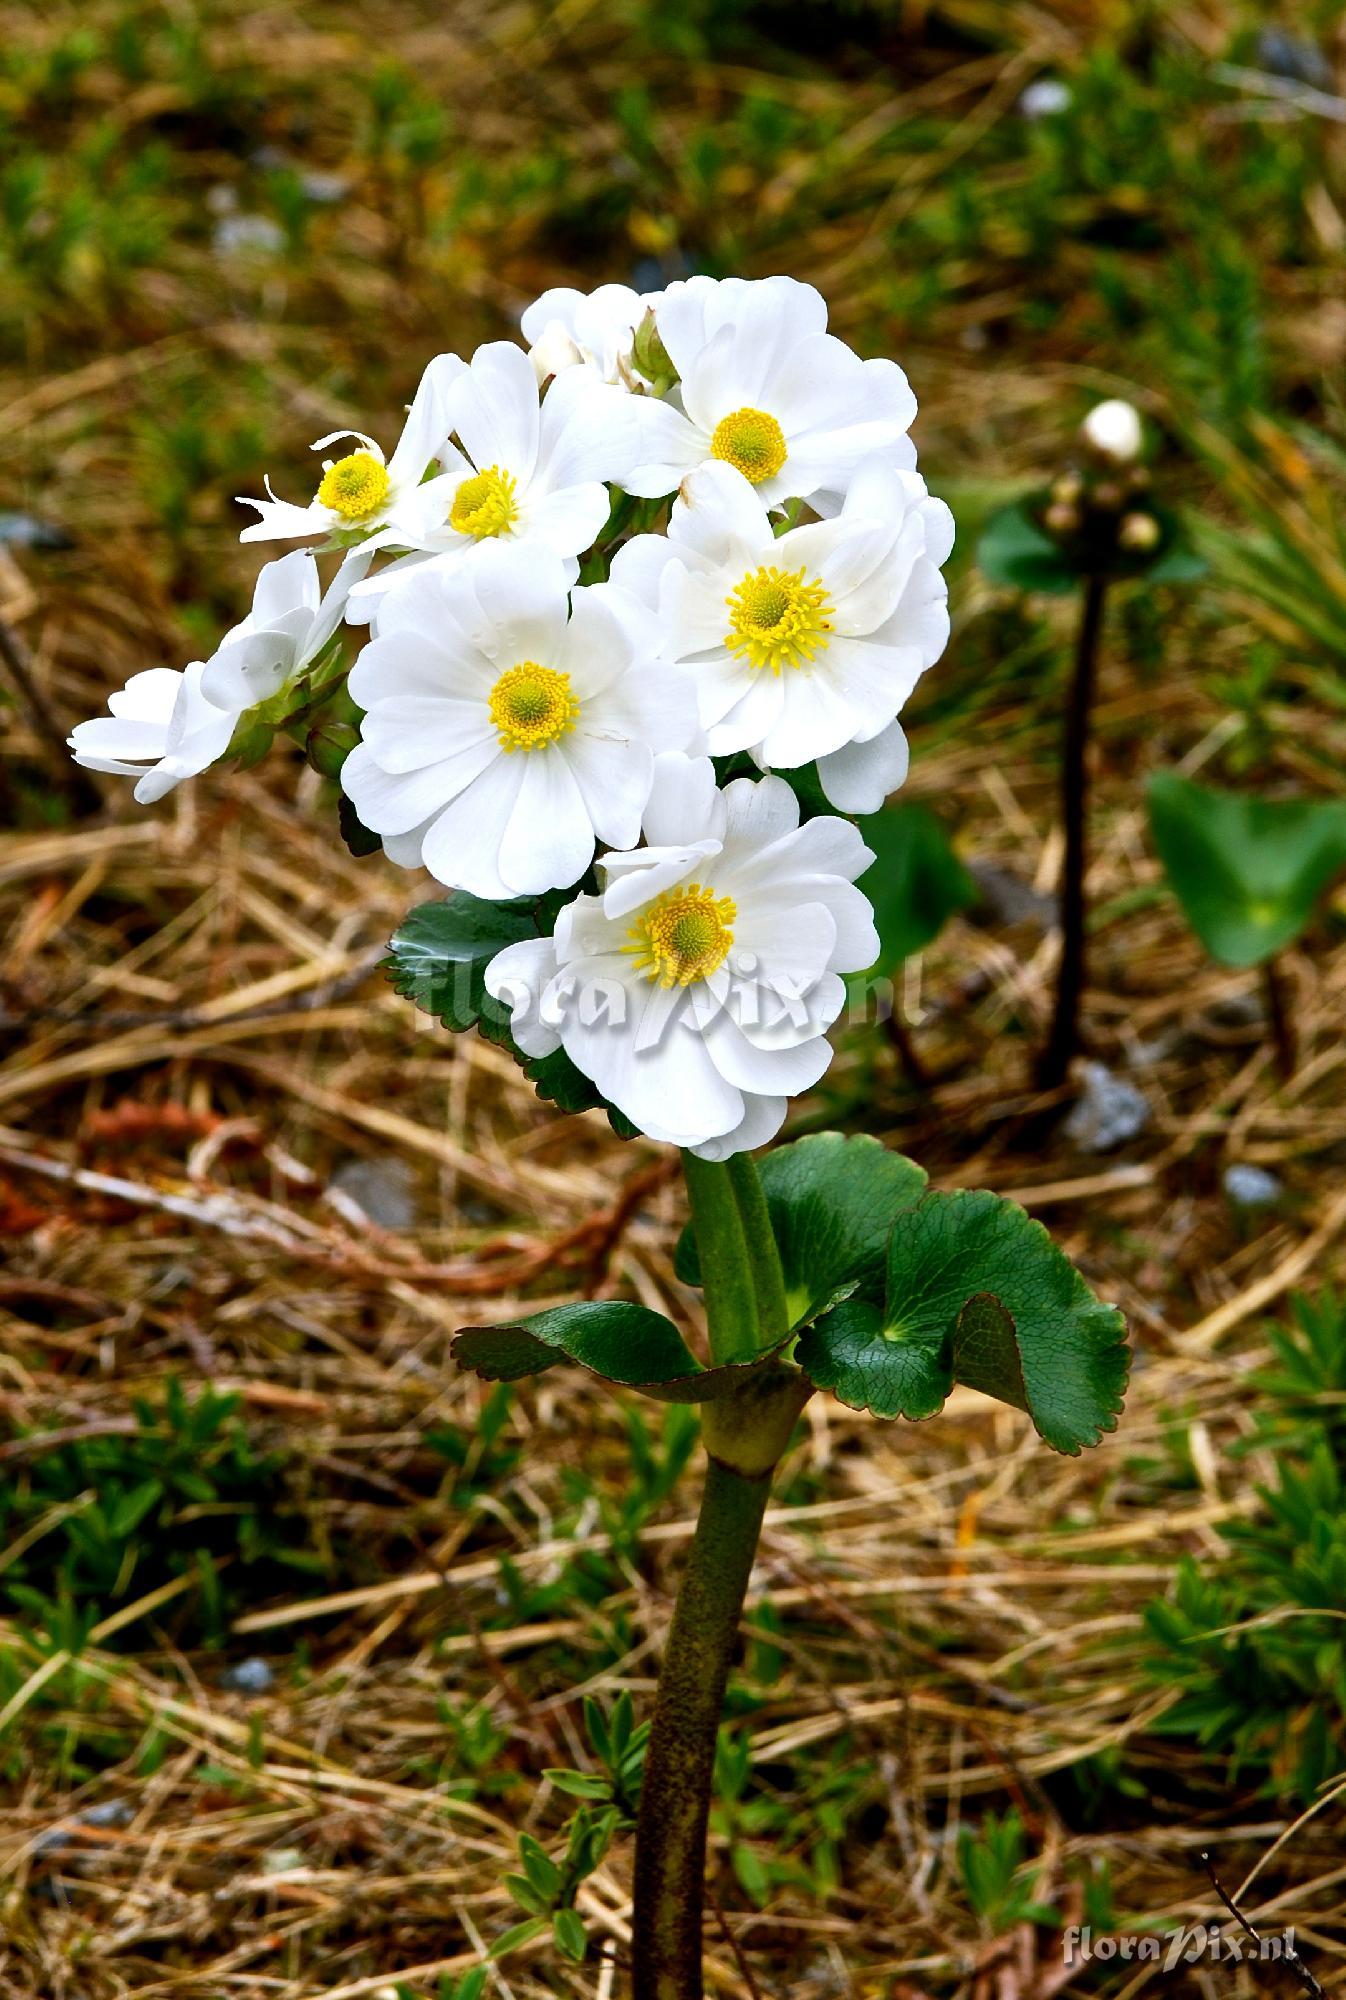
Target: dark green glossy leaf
(1247,871)
(916,881)
(977,1293)
(1014,550)
(618,1341)
(438,956)
(832,1201)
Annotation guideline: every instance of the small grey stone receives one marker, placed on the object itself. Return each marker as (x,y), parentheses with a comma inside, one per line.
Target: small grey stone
(255,235)
(26,531)
(323,188)
(248,1677)
(381,1189)
(1251,1187)
(1108,1111)
(1282,54)
(1007,899)
(108,1812)
(1044,97)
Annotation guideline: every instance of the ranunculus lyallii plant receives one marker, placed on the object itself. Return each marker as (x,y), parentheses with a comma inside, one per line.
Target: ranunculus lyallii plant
(640,603)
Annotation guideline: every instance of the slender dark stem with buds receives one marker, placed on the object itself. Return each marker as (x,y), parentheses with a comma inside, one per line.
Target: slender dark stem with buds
(1063,1040)
(1281,1018)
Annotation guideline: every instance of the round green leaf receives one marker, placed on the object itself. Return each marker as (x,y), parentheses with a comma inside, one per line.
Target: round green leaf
(1247,871)
(831,1200)
(977,1293)
(916,881)
(1014,550)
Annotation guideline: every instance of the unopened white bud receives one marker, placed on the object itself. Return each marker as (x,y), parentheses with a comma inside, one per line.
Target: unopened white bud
(553,351)
(1139,532)
(1113,430)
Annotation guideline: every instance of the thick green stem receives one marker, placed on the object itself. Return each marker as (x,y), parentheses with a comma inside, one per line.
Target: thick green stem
(680,1762)
(773,1317)
(726,1268)
(745,1433)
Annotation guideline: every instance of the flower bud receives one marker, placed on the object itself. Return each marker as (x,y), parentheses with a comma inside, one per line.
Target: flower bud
(1067,489)
(650,357)
(1112,429)
(553,352)
(1061,518)
(1139,533)
(329,745)
(1107,496)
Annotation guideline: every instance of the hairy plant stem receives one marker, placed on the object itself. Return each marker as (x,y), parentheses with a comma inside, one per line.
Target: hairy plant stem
(745,1434)
(1063,1039)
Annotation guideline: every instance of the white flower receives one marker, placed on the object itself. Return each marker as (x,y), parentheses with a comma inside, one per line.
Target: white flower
(289,624)
(501,739)
(1113,429)
(765,388)
(161,729)
(591,330)
(531,468)
(362,493)
(165,726)
(697,989)
(807,644)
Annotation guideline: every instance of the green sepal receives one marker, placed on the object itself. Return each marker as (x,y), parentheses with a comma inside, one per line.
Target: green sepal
(976,1293)
(832,1201)
(614,1339)
(1247,871)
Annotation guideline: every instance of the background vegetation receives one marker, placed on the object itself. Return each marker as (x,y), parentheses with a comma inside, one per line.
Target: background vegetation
(321,1666)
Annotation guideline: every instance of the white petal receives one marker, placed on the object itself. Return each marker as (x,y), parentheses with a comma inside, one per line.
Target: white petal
(684,804)
(762,1120)
(518,976)
(588,432)
(493,406)
(614,781)
(462,848)
(548,839)
(427,425)
(668,446)
(860,776)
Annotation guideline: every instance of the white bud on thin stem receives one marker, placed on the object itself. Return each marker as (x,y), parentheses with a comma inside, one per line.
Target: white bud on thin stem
(1113,430)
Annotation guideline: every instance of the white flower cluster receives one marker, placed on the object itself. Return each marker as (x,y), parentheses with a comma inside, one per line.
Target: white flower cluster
(762,579)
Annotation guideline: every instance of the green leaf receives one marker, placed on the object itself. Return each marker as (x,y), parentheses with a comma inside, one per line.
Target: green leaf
(438,956)
(518,1936)
(571,1937)
(977,1293)
(557,1081)
(916,882)
(354,832)
(832,1201)
(616,1340)
(1247,871)
(1014,550)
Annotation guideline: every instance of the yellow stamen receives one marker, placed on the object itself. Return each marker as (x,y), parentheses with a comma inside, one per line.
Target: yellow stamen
(532,706)
(484,505)
(683,936)
(753,441)
(778,619)
(354,487)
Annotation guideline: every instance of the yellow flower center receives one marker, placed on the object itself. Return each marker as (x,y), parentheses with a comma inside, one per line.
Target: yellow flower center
(778,618)
(354,487)
(532,706)
(753,441)
(684,935)
(484,505)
